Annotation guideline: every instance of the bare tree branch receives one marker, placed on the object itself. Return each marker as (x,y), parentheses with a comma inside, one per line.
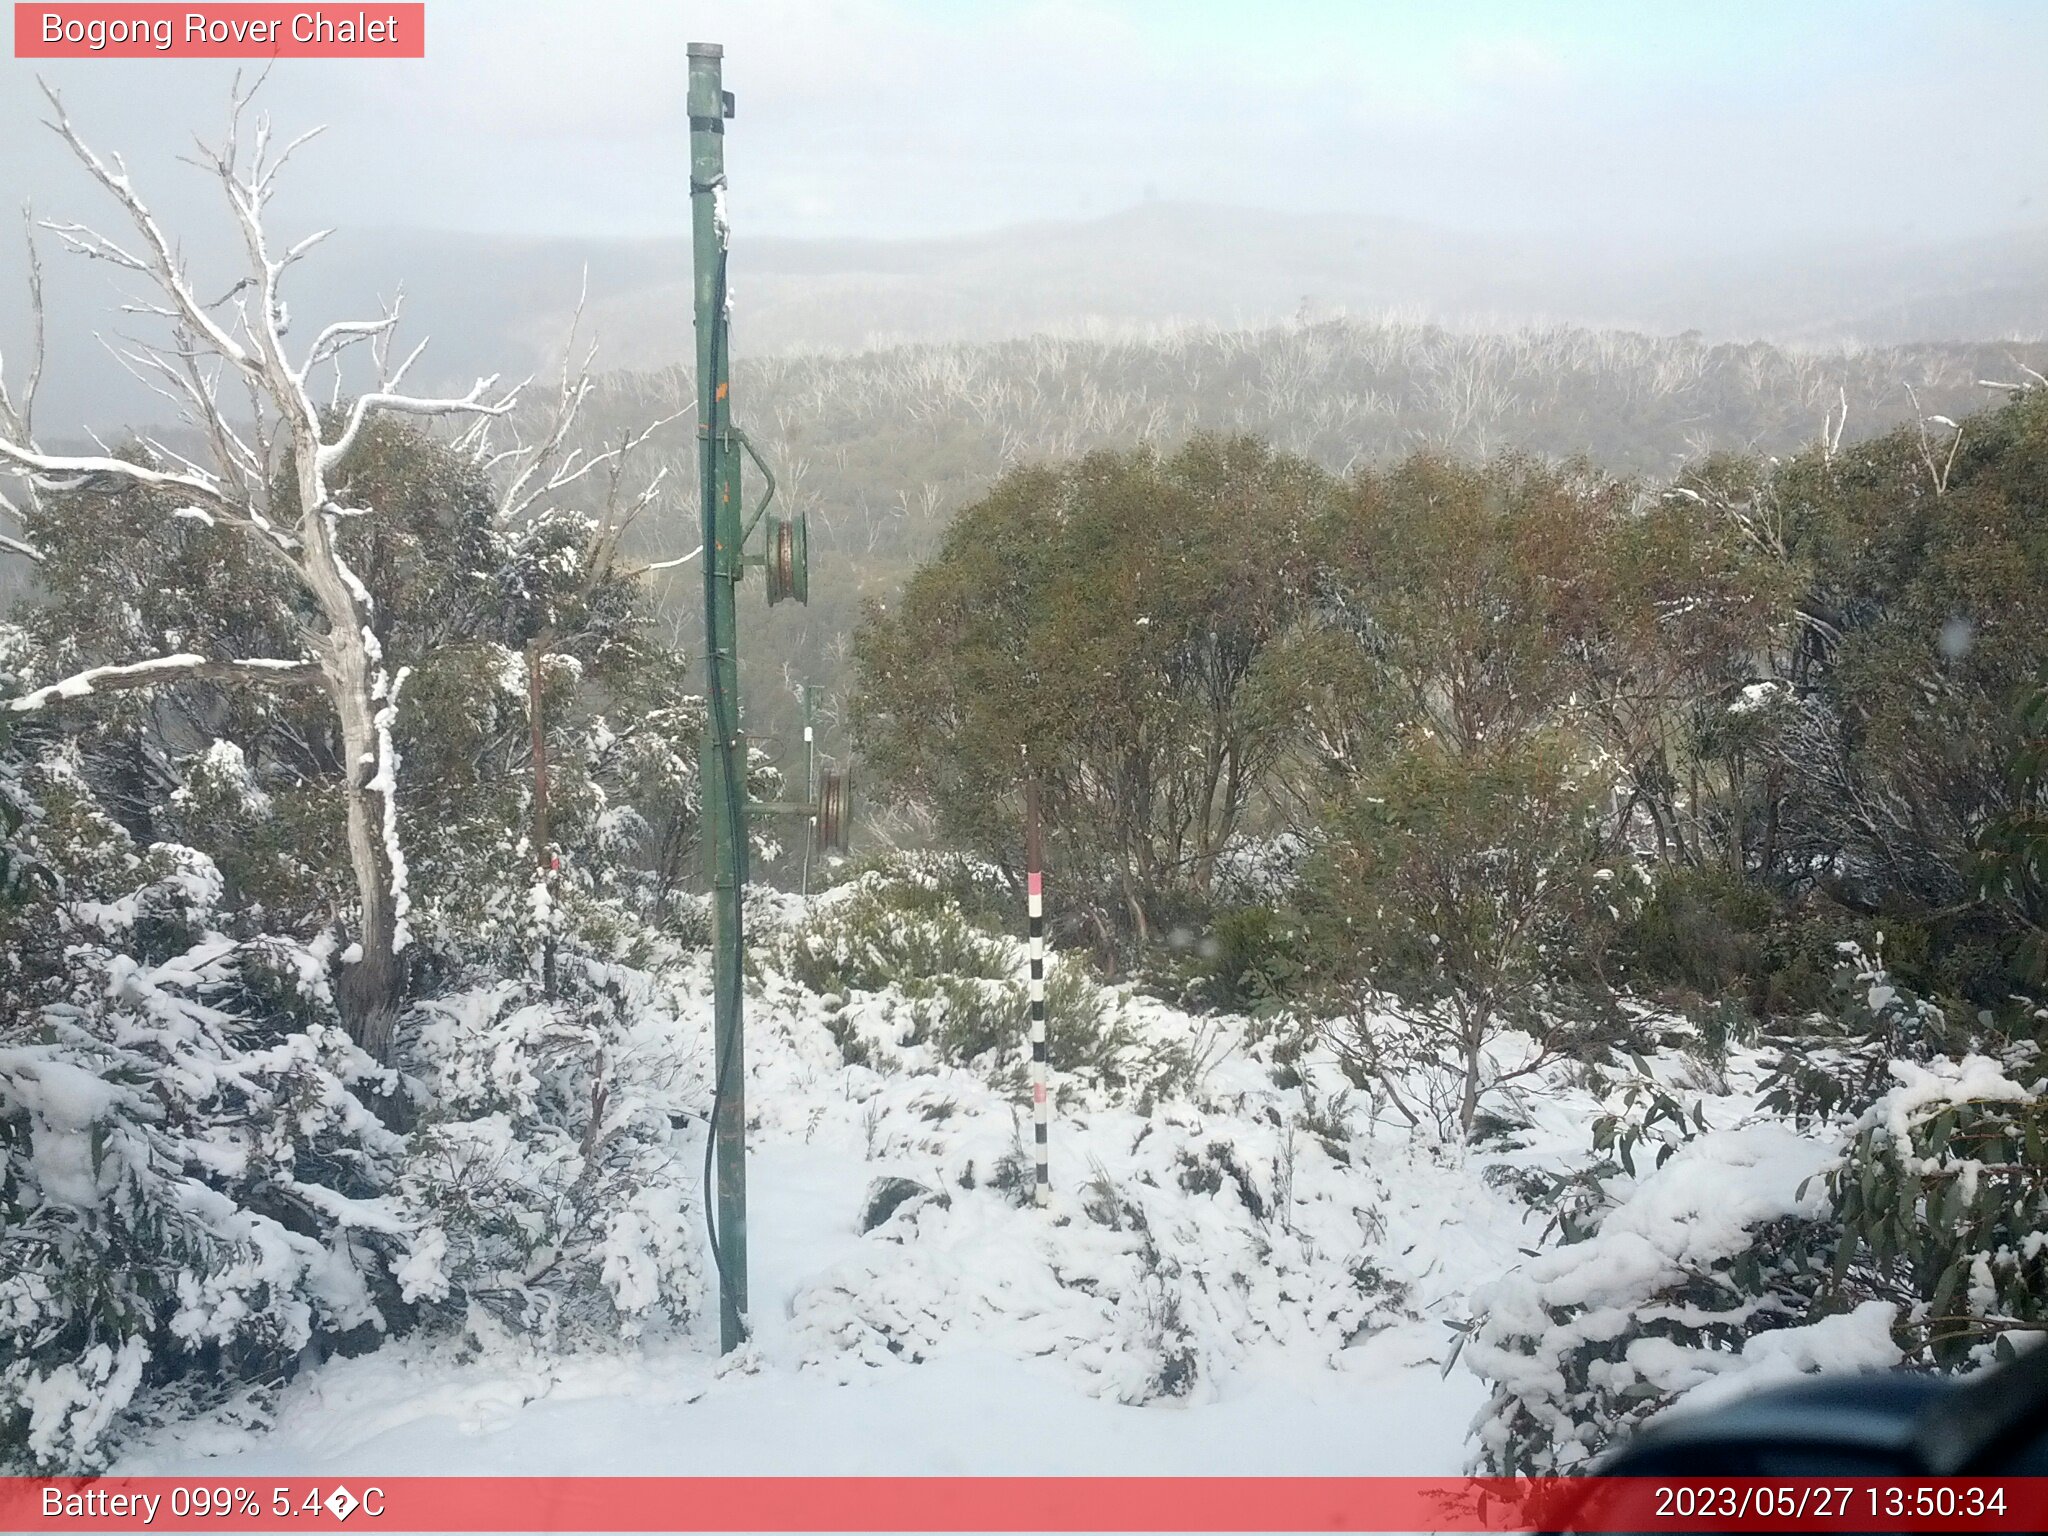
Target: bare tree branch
(414,405)
(183,667)
(69,472)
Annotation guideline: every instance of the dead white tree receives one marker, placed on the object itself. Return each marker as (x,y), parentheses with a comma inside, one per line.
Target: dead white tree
(17,407)
(1939,459)
(233,349)
(534,472)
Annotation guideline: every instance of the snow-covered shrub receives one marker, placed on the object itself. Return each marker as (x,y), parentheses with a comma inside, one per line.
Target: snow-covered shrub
(193,1186)
(1894,1213)
(1838,1063)
(948,984)
(926,880)
(1643,1117)
(202,1180)
(559,1197)
(1942,1195)
(868,941)
(1195,1242)
(1262,871)
(970,1019)
(1711,1266)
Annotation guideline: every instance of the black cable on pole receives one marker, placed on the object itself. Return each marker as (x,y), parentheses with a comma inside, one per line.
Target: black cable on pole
(725,730)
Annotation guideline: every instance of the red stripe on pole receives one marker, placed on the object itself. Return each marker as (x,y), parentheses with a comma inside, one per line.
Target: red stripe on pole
(1034,884)
(254,1503)
(379,30)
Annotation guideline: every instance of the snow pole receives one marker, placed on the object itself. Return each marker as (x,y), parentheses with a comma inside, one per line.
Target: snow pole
(810,781)
(723,757)
(1034,900)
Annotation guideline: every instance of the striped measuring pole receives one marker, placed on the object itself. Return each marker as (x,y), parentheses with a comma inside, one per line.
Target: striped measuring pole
(1034,897)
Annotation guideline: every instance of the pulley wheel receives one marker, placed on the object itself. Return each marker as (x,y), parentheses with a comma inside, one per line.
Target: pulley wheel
(789,559)
(835,810)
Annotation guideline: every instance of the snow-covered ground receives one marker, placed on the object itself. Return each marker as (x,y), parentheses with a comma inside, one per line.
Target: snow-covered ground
(1234,1277)
(1384,1406)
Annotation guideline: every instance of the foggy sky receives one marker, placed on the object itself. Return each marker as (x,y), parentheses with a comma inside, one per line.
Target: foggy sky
(1709,128)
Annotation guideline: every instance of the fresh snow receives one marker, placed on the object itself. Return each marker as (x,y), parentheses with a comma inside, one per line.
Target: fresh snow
(1241,1278)
(410,1409)
(385,783)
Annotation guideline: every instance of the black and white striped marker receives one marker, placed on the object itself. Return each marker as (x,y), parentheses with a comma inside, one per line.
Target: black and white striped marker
(1034,887)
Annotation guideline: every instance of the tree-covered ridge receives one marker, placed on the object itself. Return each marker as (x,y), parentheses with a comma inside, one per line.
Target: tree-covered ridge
(882,448)
(1803,679)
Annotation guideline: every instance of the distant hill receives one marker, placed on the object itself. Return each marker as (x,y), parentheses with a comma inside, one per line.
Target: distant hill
(498,304)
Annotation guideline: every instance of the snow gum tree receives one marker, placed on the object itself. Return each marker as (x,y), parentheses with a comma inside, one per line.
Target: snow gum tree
(1124,620)
(1447,910)
(267,471)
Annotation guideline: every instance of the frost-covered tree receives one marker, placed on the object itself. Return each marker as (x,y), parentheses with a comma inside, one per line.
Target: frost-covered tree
(267,472)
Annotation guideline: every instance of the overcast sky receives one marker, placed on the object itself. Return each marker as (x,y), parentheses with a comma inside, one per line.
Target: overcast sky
(1723,124)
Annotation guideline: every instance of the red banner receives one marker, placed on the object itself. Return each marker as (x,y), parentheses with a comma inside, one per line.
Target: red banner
(103,31)
(393,1504)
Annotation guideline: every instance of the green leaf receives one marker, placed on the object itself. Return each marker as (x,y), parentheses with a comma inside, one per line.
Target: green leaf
(1939,1130)
(1951,1206)
(1945,1289)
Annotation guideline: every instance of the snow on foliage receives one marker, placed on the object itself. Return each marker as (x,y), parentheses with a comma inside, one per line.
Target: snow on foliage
(1880,1206)
(1597,1335)
(204,1182)
(1253,871)
(1203,1216)
(559,1188)
(188,1168)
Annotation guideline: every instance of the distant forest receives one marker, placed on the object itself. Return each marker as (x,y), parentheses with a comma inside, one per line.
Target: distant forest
(881,449)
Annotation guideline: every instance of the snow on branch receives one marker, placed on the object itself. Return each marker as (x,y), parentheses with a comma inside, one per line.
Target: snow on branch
(664,565)
(70,472)
(161,263)
(343,334)
(17,411)
(170,669)
(473,403)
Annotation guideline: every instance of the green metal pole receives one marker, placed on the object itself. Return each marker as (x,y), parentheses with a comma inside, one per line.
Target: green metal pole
(723,770)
